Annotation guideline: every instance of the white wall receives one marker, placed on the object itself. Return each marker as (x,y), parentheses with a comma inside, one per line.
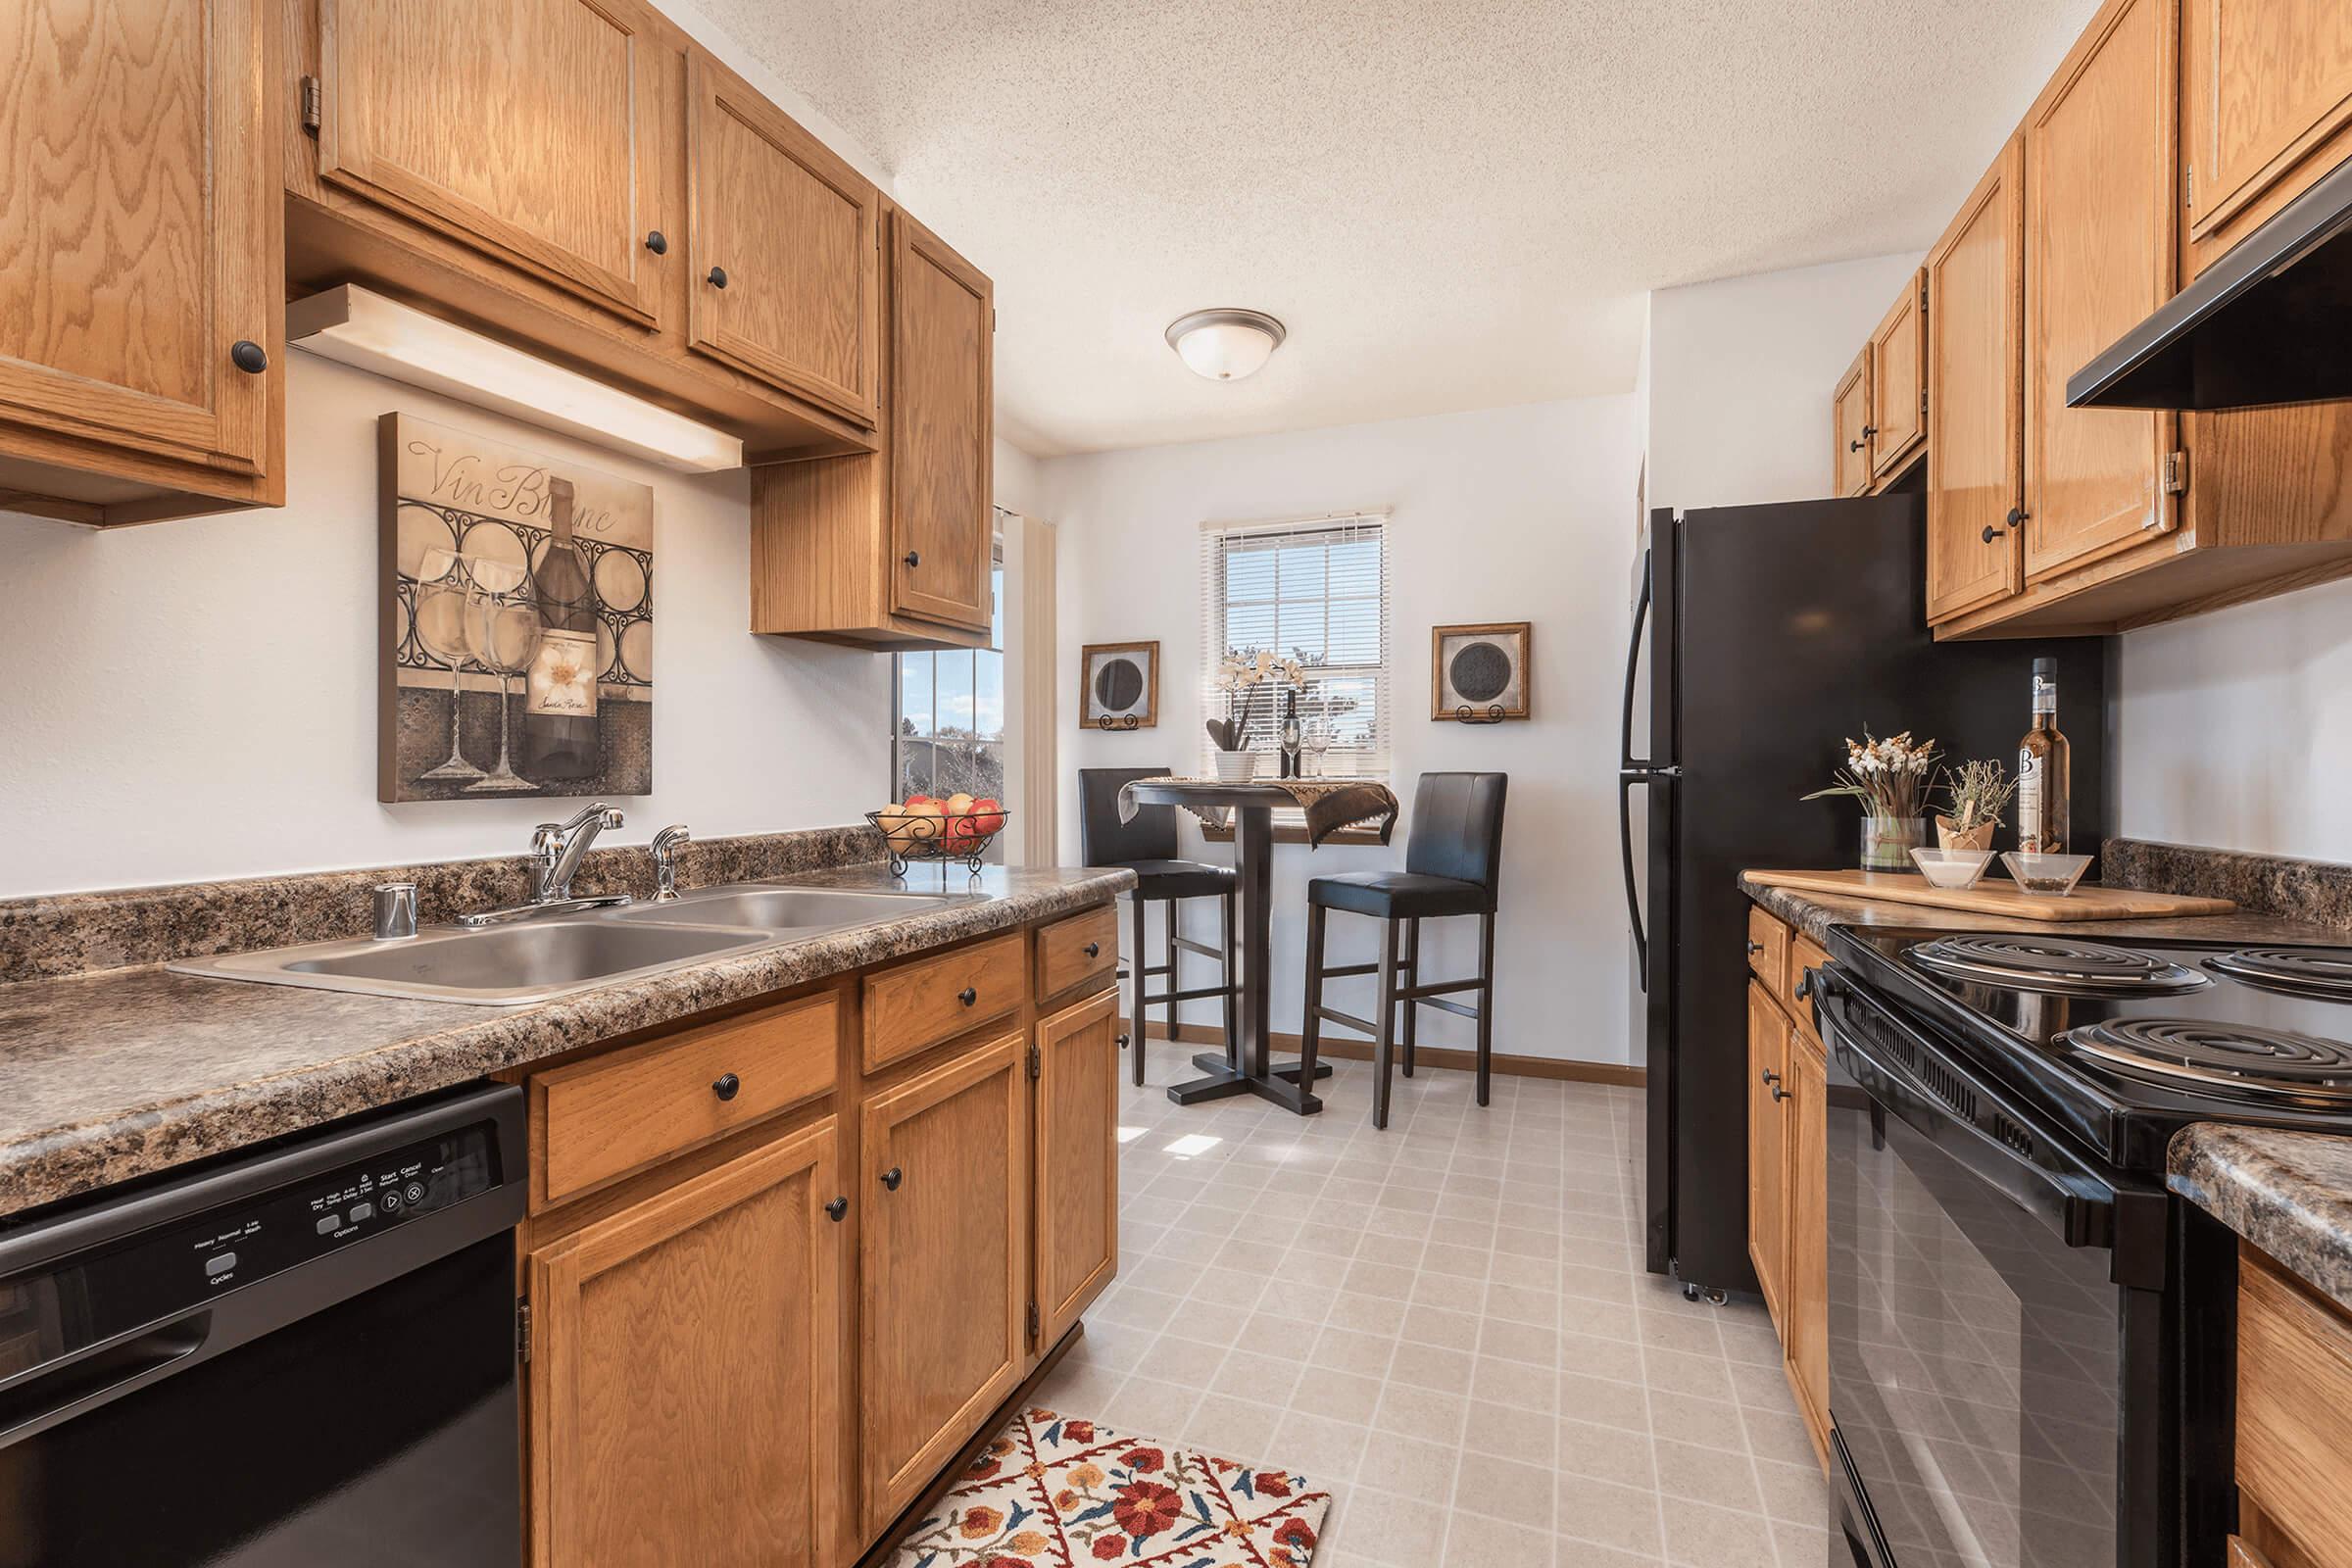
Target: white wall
(197,699)
(1741,373)
(2238,725)
(1495,517)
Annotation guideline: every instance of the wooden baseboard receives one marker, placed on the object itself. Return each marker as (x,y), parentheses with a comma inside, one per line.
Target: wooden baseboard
(1450,1056)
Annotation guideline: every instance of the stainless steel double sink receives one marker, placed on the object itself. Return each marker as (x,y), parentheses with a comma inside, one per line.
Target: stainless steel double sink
(539,960)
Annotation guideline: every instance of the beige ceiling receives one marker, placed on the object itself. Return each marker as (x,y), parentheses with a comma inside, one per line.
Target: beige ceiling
(1451,205)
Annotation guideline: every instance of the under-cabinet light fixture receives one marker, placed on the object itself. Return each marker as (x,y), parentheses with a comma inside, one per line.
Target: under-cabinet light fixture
(361,327)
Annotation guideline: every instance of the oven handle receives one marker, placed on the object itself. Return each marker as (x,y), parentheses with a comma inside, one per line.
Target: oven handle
(2078,1205)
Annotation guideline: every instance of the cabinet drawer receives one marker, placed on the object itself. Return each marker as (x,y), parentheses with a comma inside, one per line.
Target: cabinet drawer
(918,1004)
(2295,1409)
(1768,951)
(1080,948)
(1803,953)
(614,1114)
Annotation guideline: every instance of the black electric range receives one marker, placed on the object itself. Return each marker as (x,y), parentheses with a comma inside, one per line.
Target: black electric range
(2022,1318)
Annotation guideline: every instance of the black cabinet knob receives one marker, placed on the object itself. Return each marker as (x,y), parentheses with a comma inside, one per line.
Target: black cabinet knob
(1124,1042)
(1753,945)
(1869,430)
(1771,1077)
(248,356)
(1853,446)
(914,559)
(656,242)
(892,1177)
(717,276)
(1093,950)
(1804,986)
(727,1086)
(837,1210)
(1779,1094)
(1992,533)
(2017,516)
(967,995)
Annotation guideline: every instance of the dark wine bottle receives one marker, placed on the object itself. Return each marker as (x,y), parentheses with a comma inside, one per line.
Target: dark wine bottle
(558,717)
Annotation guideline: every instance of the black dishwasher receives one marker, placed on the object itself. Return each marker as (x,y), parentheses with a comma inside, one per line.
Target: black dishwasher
(303,1356)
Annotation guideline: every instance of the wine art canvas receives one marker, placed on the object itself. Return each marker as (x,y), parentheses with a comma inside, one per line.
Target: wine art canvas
(516,616)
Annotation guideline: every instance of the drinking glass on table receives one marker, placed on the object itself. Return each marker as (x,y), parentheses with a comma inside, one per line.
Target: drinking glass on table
(502,629)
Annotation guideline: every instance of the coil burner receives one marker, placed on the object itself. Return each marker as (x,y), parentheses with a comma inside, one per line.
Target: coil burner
(2231,1059)
(2054,964)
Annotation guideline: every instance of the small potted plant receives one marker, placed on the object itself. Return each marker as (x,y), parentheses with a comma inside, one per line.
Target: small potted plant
(1979,794)
(1890,778)
(1240,679)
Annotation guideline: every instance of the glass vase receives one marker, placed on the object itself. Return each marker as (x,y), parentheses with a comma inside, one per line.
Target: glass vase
(1887,842)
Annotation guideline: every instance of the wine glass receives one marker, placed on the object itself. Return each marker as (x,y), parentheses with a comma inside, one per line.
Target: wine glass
(504,630)
(440,616)
(1315,744)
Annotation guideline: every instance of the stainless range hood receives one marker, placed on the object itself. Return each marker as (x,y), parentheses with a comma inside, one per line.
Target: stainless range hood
(2269,322)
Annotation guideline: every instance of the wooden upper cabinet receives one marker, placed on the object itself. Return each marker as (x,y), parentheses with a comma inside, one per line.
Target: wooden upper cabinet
(1976,389)
(783,249)
(139,239)
(1849,423)
(942,436)
(2101,255)
(1899,386)
(943,1265)
(1077,1159)
(2266,104)
(686,1388)
(531,131)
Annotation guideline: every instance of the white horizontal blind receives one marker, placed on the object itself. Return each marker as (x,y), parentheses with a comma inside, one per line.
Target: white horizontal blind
(1316,590)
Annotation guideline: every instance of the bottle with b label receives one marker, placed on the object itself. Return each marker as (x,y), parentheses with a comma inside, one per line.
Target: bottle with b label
(2041,770)
(558,717)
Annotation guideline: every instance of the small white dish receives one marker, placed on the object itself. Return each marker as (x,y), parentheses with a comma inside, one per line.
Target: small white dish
(2050,876)
(1952,869)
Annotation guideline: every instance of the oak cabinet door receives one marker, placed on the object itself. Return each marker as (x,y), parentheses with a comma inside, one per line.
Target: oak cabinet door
(943,321)
(531,131)
(1849,421)
(139,230)
(1975,395)
(2101,247)
(1898,363)
(2266,84)
(944,1266)
(1767,1148)
(1805,1288)
(783,249)
(685,1376)
(1077,1159)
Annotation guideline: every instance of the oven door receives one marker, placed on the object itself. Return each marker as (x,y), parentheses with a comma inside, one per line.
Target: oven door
(1999,1390)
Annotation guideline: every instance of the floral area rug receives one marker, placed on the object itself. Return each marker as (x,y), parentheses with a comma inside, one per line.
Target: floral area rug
(1055,1492)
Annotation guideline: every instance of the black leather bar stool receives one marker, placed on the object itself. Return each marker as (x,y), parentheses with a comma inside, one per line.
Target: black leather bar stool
(1452,866)
(1147,847)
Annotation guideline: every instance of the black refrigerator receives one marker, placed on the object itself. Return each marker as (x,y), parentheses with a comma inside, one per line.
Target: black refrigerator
(1763,637)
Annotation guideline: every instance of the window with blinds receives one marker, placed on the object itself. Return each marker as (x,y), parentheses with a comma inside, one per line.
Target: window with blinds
(1315,590)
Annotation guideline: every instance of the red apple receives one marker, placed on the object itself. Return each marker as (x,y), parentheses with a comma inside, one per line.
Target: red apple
(988,816)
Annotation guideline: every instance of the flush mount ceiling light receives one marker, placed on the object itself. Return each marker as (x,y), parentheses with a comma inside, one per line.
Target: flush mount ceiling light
(1225,345)
(361,327)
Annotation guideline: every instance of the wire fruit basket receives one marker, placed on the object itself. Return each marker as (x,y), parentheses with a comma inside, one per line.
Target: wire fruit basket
(912,836)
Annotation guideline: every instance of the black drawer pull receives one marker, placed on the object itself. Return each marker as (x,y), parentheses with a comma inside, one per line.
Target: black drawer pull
(1093,950)
(718,278)
(967,995)
(837,1210)
(656,242)
(892,1177)
(248,356)
(1754,947)
(727,1086)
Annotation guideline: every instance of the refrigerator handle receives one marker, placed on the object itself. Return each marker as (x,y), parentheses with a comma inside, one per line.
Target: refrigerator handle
(1632,771)
(1626,780)
(1632,667)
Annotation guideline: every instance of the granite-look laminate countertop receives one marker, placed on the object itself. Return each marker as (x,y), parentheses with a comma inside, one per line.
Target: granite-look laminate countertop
(121,1073)
(1814,913)
(2289,1193)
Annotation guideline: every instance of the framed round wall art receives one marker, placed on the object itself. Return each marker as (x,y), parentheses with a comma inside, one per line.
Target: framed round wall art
(1480,674)
(1118,686)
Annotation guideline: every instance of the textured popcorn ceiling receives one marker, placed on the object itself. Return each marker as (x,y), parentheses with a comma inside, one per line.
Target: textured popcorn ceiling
(1451,205)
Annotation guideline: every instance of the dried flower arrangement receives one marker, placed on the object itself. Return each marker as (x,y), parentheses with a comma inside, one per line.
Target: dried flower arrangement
(1240,676)
(1889,776)
(1979,792)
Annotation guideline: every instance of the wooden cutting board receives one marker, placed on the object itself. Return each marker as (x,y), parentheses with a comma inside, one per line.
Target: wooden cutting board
(1997,894)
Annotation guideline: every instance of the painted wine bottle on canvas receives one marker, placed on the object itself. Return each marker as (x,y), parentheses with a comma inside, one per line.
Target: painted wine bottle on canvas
(559,738)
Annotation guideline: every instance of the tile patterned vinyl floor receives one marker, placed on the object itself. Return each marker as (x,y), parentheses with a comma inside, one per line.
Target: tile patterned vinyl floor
(1448,1324)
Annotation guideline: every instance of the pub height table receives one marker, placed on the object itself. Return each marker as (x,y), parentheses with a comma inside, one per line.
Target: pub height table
(1248,1065)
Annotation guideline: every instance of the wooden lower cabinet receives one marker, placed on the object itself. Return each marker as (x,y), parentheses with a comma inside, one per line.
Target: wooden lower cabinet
(943,1267)
(1767,1148)
(2294,1419)
(1076,1159)
(685,1376)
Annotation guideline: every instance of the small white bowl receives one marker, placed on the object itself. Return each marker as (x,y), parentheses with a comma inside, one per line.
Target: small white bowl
(1953,869)
(2050,876)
